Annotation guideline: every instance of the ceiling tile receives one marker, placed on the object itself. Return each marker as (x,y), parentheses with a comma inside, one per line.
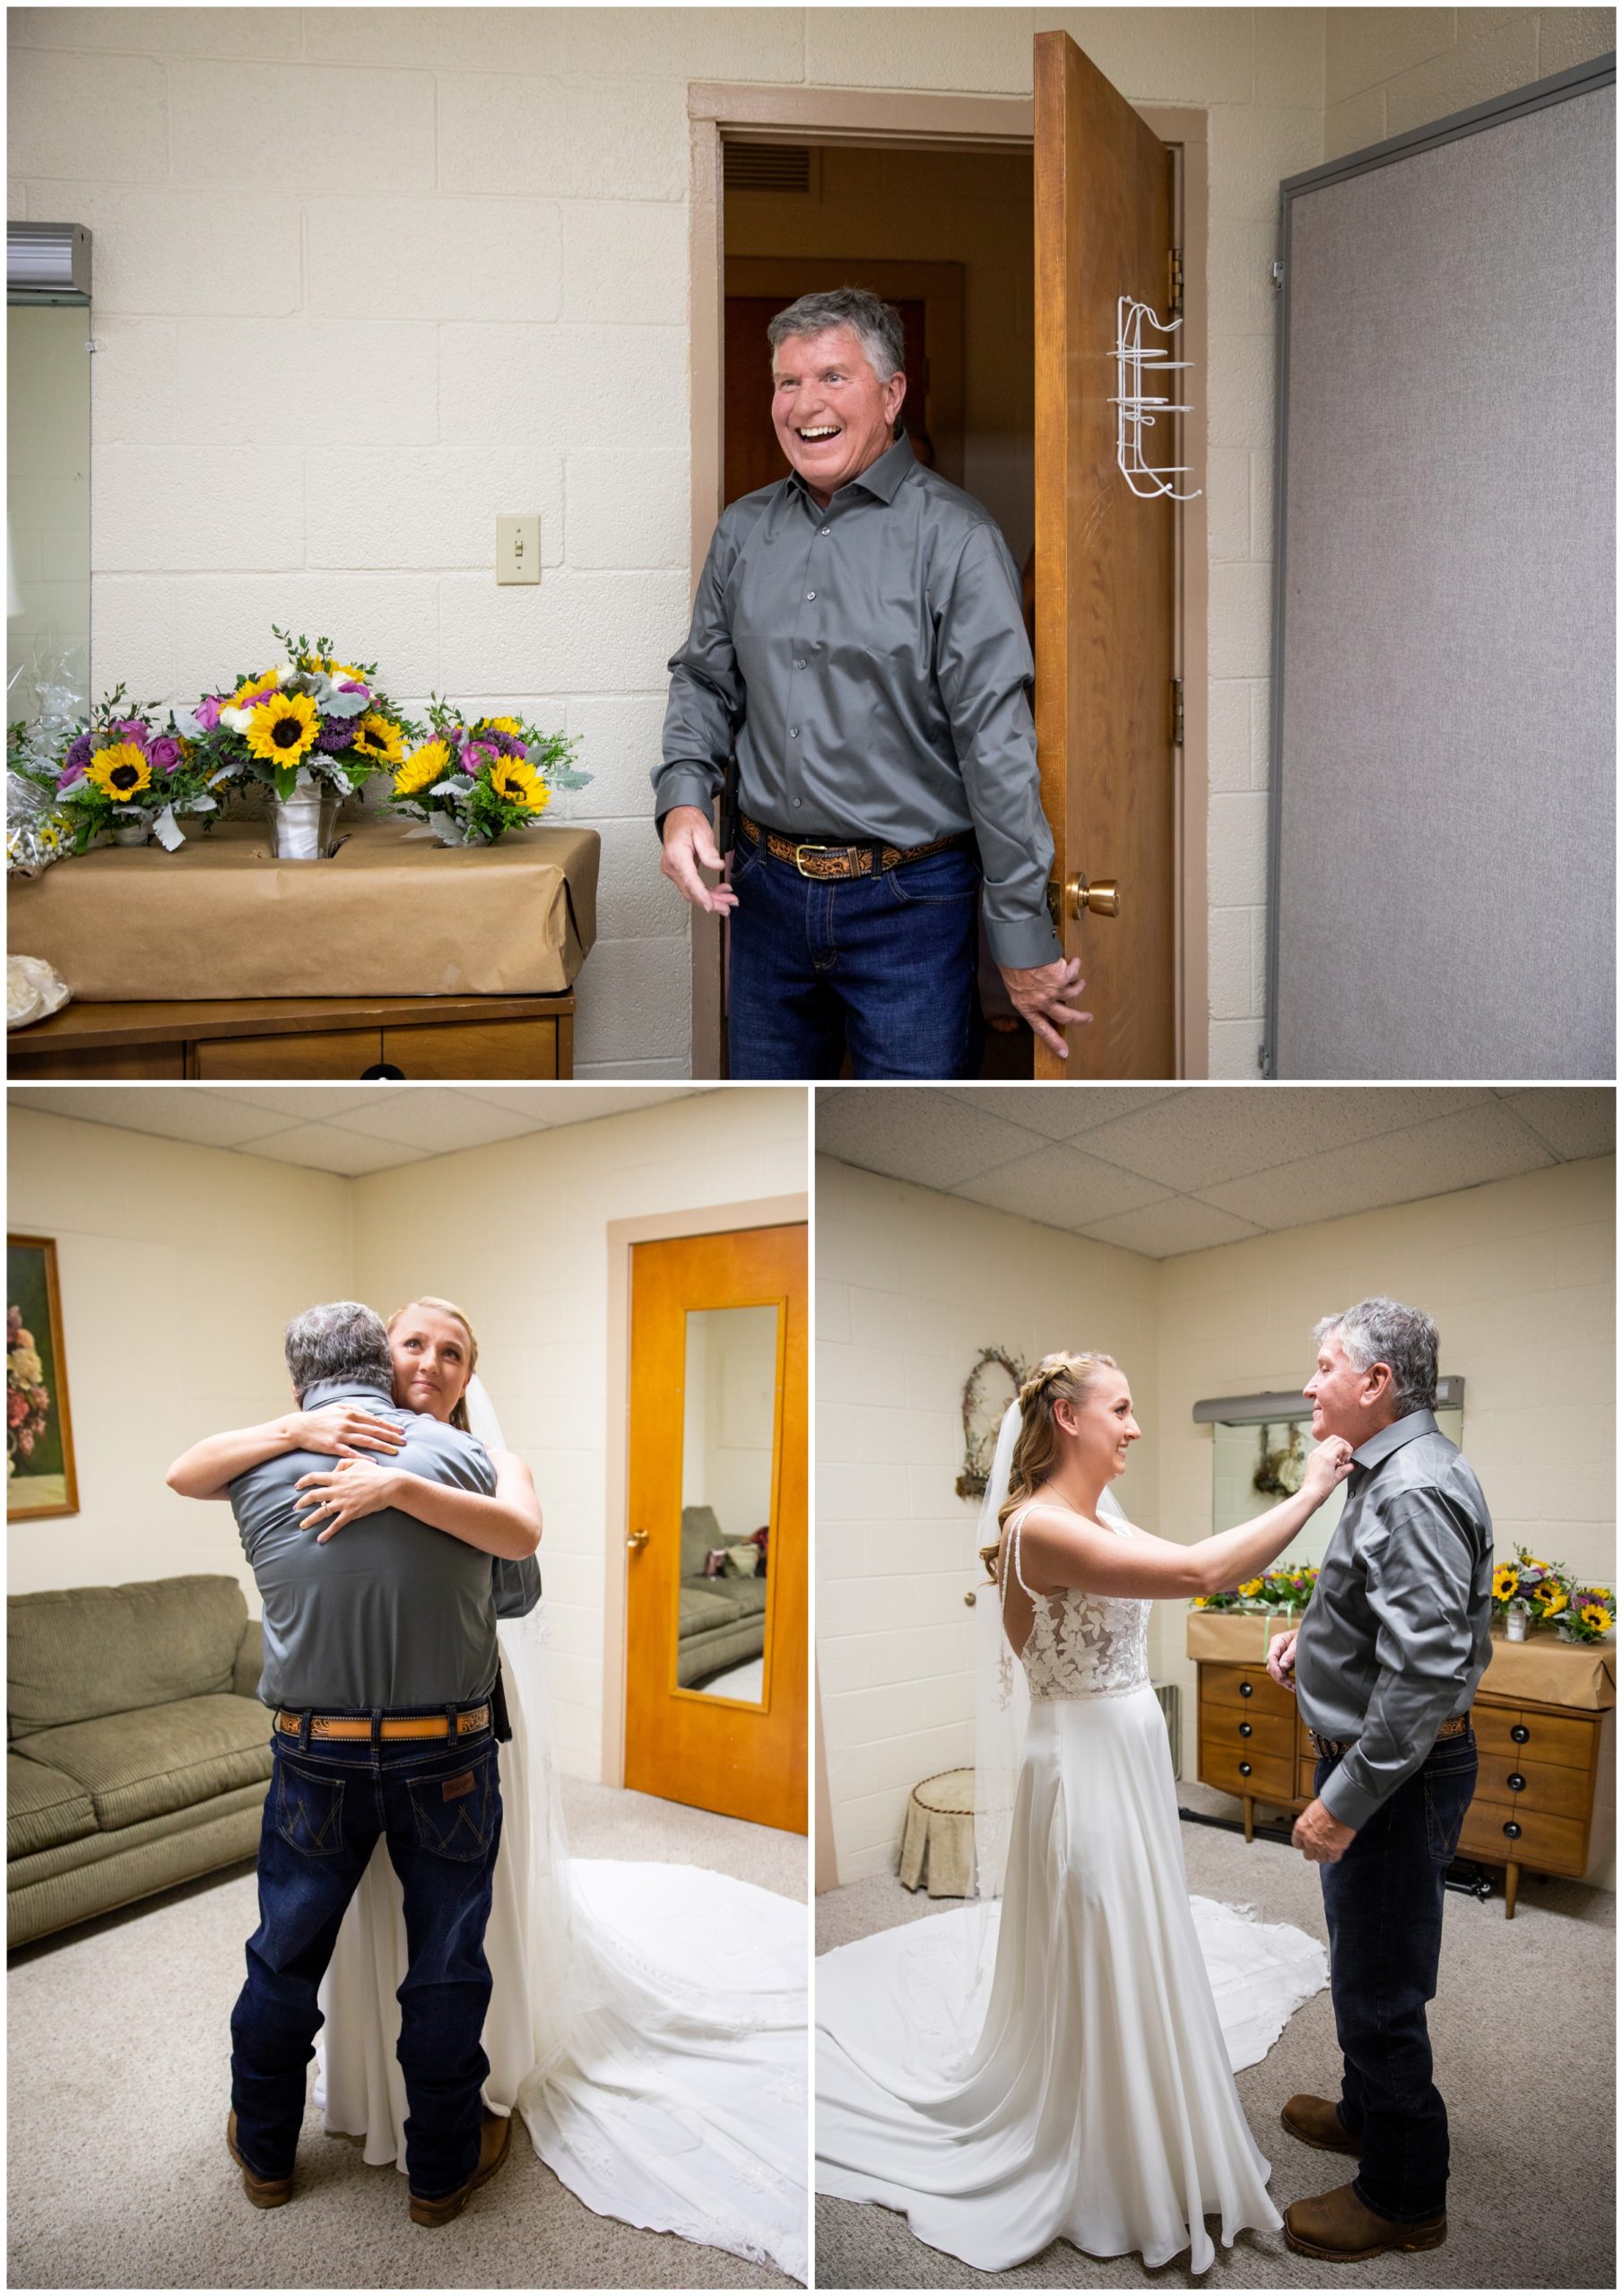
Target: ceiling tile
(439,1121)
(1466,1150)
(174,1112)
(309,1103)
(1573,1123)
(326,1149)
(1061,1112)
(1062,1187)
(916,1135)
(1221,1136)
(1177,1224)
(582,1103)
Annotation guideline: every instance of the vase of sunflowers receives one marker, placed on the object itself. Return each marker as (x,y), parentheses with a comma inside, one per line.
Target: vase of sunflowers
(125,775)
(475,779)
(310,730)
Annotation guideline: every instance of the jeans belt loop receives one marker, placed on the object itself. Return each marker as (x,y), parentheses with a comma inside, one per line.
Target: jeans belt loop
(450,1717)
(377,1713)
(305,1721)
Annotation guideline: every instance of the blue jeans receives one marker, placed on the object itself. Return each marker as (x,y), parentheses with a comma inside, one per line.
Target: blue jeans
(883,967)
(438,1804)
(1383,1907)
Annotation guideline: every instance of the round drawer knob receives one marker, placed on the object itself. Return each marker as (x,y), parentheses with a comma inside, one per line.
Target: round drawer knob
(1244,1690)
(1245,1769)
(384,1070)
(1244,1729)
(1512,1831)
(1520,1732)
(1516,1782)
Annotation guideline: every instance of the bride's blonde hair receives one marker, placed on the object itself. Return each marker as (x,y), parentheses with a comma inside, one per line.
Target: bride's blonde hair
(459,1409)
(1062,1378)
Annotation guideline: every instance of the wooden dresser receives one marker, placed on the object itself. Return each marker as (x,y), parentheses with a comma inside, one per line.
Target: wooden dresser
(1540,1759)
(333,1039)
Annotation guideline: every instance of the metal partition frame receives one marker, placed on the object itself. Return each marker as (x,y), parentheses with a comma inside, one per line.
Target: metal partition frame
(1583,80)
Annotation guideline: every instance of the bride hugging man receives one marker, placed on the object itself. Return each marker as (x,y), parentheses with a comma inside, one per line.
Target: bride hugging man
(1076,2081)
(418,1906)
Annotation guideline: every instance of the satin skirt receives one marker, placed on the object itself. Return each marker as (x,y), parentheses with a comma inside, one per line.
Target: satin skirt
(1068,2075)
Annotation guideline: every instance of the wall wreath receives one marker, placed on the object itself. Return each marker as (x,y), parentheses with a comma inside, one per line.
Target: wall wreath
(983,1402)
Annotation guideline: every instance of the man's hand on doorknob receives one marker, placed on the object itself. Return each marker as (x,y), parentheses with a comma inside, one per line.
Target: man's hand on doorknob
(1039,994)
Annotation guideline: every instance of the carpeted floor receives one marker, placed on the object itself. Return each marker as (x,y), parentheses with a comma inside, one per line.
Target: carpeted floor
(118,2074)
(1523,2034)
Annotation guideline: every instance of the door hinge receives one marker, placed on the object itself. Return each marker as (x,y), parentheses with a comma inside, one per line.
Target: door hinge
(1177,713)
(1175,282)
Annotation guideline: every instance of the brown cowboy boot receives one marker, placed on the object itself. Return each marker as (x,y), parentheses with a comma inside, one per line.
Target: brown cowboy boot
(265,2192)
(1337,2227)
(1315,2121)
(493,2139)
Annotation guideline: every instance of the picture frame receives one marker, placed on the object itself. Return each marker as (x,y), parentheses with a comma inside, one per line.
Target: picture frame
(41,1476)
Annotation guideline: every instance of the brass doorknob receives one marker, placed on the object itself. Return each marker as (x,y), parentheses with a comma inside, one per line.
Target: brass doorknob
(1103,899)
(635,1539)
(969,1598)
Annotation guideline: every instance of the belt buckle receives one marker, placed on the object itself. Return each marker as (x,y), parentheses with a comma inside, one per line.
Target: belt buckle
(799,849)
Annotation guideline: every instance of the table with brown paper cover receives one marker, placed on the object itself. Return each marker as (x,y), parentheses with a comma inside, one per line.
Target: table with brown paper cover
(216,961)
(1542,1715)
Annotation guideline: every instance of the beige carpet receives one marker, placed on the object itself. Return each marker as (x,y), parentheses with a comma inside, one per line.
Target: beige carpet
(1523,2032)
(118,2069)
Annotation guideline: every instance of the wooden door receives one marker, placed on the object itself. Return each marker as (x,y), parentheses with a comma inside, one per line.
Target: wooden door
(1105,567)
(715,1652)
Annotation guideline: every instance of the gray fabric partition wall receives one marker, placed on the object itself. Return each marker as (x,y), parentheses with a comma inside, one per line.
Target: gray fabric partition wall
(1442,899)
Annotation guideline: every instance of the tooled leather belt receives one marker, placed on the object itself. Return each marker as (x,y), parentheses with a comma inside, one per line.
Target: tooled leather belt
(1454,1728)
(814,859)
(394,1725)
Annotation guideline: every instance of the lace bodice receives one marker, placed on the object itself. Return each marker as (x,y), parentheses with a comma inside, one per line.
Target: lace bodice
(1082,1645)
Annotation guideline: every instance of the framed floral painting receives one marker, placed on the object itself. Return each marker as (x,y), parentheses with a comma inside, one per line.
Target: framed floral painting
(39,1478)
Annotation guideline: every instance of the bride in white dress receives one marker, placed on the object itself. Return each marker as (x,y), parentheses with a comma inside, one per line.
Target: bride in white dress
(1088,2094)
(647,2021)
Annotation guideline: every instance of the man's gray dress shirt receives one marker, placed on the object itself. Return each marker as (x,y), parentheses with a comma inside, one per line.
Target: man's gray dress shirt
(870,663)
(390,1612)
(1395,1637)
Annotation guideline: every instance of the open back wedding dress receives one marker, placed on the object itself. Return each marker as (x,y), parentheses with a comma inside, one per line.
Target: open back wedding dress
(649,2021)
(1086,2092)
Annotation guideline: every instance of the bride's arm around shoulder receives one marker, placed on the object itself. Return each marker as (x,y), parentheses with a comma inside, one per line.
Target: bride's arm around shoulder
(344,1429)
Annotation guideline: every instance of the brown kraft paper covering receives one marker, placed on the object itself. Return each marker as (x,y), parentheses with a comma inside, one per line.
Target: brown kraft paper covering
(388,915)
(1544,1670)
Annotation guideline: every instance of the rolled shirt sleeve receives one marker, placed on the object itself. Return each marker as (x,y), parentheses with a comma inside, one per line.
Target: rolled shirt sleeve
(1419,1559)
(706,705)
(984,672)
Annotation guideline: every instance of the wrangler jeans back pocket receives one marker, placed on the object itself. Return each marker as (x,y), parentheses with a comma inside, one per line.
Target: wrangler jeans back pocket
(1449,1781)
(308,1806)
(454,1813)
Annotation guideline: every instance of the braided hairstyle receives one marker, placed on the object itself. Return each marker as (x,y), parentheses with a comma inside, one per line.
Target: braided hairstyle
(1062,1378)
(459,1409)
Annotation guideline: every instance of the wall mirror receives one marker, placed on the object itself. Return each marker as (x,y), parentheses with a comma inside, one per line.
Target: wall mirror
(48,480)
(729,1433)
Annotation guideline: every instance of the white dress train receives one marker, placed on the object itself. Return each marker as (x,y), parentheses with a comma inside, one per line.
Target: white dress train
(672,2095)
(1092,2098)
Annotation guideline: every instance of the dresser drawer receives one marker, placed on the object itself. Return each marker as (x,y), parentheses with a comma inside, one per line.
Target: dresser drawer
(1307,1764)
(1552,1792)
(1567,1739)
(494,1050)
(1244,1732)
(1237,1772)
(1250,1687)
(89,1063)
(340,1055)
(1553,1845)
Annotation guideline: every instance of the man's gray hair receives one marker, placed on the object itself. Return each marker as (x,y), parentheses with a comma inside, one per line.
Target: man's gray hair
(345,1340)
(1383,1331)
(877,325)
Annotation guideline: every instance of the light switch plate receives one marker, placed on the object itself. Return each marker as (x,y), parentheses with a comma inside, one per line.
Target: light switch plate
(518,547)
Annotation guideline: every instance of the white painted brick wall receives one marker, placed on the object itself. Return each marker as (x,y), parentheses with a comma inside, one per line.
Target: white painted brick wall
(911,1285)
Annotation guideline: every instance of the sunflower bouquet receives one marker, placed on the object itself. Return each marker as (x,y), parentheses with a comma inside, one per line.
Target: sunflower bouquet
(1287,1588)
(309,714)
(122,772)
(474,779)
(1553,1597)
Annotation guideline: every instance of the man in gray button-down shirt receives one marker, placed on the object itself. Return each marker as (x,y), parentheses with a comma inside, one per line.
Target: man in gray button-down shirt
(857,644)
(1384,1665)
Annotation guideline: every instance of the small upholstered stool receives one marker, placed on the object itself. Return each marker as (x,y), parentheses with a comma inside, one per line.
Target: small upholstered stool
(938,1841)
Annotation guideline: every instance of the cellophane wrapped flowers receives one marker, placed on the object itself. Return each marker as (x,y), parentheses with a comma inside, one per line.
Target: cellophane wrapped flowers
(474,779)
(123,767)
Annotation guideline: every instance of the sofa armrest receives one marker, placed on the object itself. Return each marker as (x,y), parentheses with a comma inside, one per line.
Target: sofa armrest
(249,1659)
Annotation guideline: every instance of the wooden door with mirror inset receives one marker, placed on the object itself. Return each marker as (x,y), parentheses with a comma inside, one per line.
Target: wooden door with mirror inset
(716,1536)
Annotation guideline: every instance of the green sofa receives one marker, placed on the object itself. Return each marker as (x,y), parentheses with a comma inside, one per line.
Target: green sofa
(138,1752)
(721,1621)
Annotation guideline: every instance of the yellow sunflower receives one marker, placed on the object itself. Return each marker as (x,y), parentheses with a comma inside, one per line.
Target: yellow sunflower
(1251,1586)
(517,780)
(1553,1600)
(1505,1580)
(380,736)
(122,771)
(282,730)
(422,769)
(1597,1615)
(333,669)
(500,726)
(253,690)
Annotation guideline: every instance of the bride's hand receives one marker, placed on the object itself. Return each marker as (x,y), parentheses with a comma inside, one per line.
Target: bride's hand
(344,1429)
(1329,1463)
(344,1493)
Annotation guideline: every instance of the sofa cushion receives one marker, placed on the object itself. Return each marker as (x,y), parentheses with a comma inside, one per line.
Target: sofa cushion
(86,1651)
(702,1608)
(160,1758)
(700,1532)
(750,1595)
(43,1807)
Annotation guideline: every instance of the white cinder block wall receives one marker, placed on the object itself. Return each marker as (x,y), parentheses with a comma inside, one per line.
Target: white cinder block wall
(365,277)
(911,1285)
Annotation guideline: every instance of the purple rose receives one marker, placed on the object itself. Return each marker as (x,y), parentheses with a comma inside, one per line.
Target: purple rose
(207,712)
(353,685)
(131,729)
(163,755)
(69,775)
(478,755)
